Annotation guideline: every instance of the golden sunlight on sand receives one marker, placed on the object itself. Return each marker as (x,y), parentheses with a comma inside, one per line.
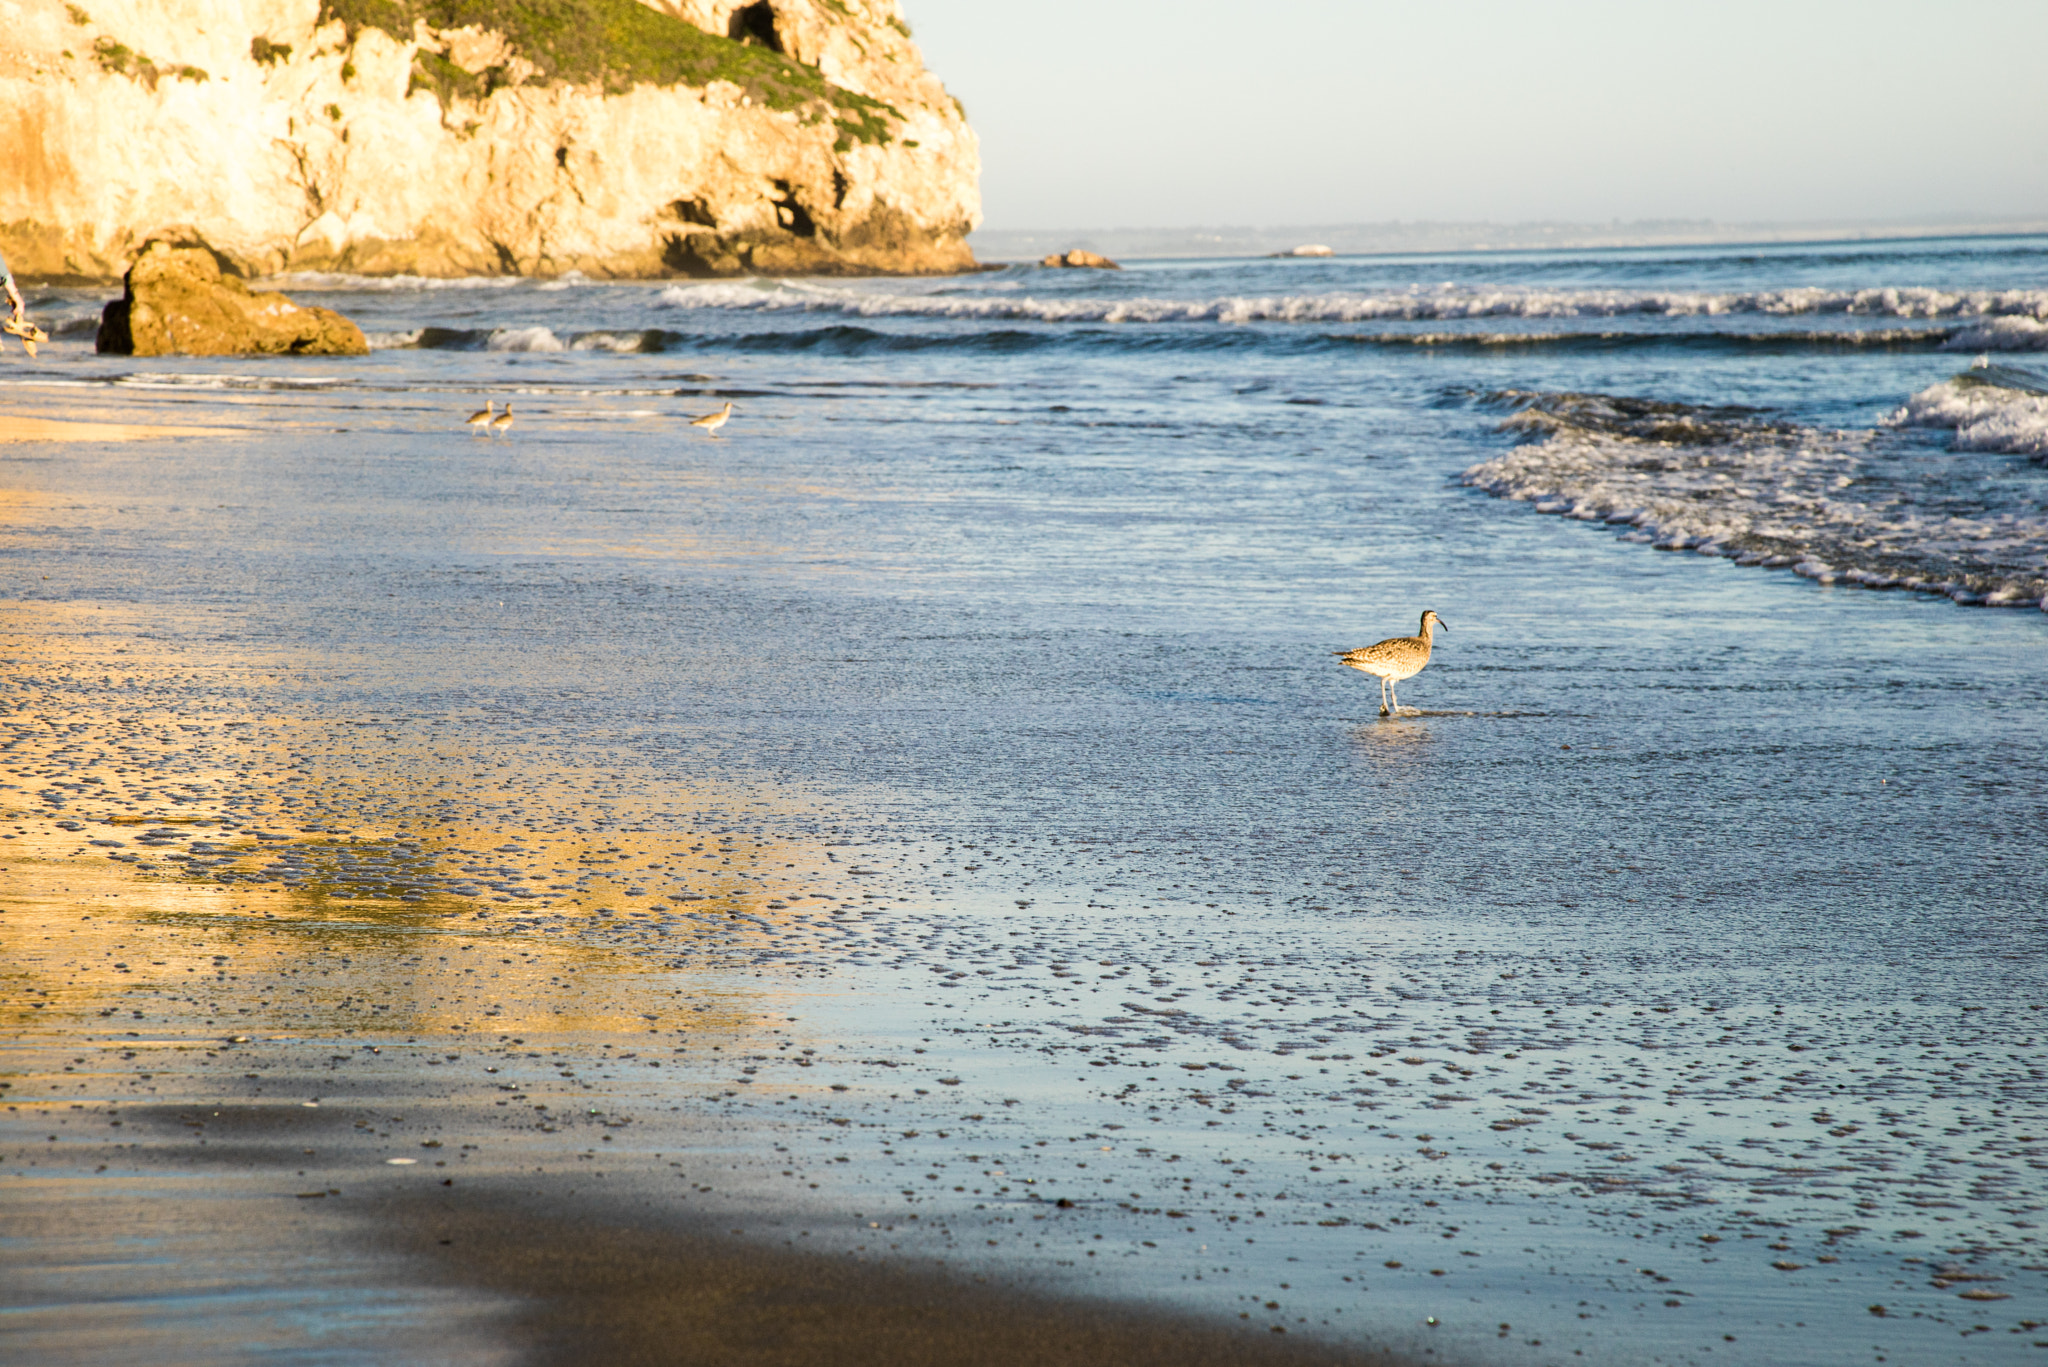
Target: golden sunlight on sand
(15,427)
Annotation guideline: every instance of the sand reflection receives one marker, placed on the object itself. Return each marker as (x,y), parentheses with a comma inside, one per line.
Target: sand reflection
(179,866)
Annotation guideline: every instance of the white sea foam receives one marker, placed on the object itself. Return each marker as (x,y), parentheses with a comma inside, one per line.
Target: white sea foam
(1835,506)
(342,280)
(1984,417)
(610,341)
(2017,332)
(1445,302)
(523,339)
(147,379)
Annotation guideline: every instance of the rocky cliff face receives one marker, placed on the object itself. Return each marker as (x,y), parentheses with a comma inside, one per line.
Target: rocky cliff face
(461,137)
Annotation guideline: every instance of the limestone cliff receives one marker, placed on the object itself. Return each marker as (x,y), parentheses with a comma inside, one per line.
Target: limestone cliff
(462,137)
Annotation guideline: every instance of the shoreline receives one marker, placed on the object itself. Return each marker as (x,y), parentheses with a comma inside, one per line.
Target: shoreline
(549,1257)
(928,823)
(16,428)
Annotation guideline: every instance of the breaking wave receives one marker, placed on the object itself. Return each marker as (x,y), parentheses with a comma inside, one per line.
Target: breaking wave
(646,340)
(386,284)
(1989,408)
(2015,333)
(1445,303)
(1857,507)
(1801,339)
(854,339)
(523,339)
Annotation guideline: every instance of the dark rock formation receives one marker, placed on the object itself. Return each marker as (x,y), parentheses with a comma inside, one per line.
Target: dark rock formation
(1081,258)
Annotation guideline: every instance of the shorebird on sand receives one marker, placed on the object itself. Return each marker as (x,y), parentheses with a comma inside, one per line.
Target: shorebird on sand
(711,422)
(1394,659)
(503,422)
(481,418)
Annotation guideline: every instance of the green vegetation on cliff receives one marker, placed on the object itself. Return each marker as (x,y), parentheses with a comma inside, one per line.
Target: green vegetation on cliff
(615,43)
(118,60)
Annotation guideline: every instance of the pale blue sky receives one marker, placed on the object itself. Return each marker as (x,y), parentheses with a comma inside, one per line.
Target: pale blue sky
(1138,113)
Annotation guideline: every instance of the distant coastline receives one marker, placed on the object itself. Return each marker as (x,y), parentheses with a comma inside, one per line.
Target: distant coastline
(1425,236)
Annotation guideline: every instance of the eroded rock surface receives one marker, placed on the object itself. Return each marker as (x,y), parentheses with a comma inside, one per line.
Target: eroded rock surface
(463,137)
(1080,258)
(178,301)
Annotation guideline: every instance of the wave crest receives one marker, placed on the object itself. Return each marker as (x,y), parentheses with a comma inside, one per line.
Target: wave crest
(1446,303)
(2019,333)
(524,339)
(1990,408)
(1834,506)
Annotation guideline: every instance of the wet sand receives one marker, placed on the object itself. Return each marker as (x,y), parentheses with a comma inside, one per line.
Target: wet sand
(20,427)
(653,825)
(491,1265)
(262,1197)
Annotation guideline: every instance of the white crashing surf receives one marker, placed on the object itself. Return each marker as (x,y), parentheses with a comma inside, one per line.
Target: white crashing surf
(385,284)
(627,343)
(2023,308)
(1864,507)
(1988,407)
(2016,332)
(523,339)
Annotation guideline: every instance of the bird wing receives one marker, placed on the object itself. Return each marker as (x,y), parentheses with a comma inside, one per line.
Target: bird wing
(1392,648)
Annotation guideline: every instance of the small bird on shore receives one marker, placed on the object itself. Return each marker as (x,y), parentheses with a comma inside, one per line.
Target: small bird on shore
(1394,659)
(711,422)
(481,418)
(503,422)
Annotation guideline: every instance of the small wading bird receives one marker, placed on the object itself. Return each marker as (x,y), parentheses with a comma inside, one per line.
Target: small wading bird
(711,422)
(1394,659)
(503,422)
(481,418)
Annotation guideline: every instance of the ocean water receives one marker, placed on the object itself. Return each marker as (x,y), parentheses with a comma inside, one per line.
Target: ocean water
(961,723)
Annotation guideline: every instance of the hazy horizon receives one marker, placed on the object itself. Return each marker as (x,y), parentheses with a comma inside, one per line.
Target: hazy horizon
(1153,116)
(1426,236)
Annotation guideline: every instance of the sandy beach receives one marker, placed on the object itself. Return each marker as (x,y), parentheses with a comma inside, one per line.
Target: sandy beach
(401,1172)
(925,831)
(18,427)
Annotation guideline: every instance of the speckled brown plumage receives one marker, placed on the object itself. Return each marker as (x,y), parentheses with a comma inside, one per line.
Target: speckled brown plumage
(1394,659)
